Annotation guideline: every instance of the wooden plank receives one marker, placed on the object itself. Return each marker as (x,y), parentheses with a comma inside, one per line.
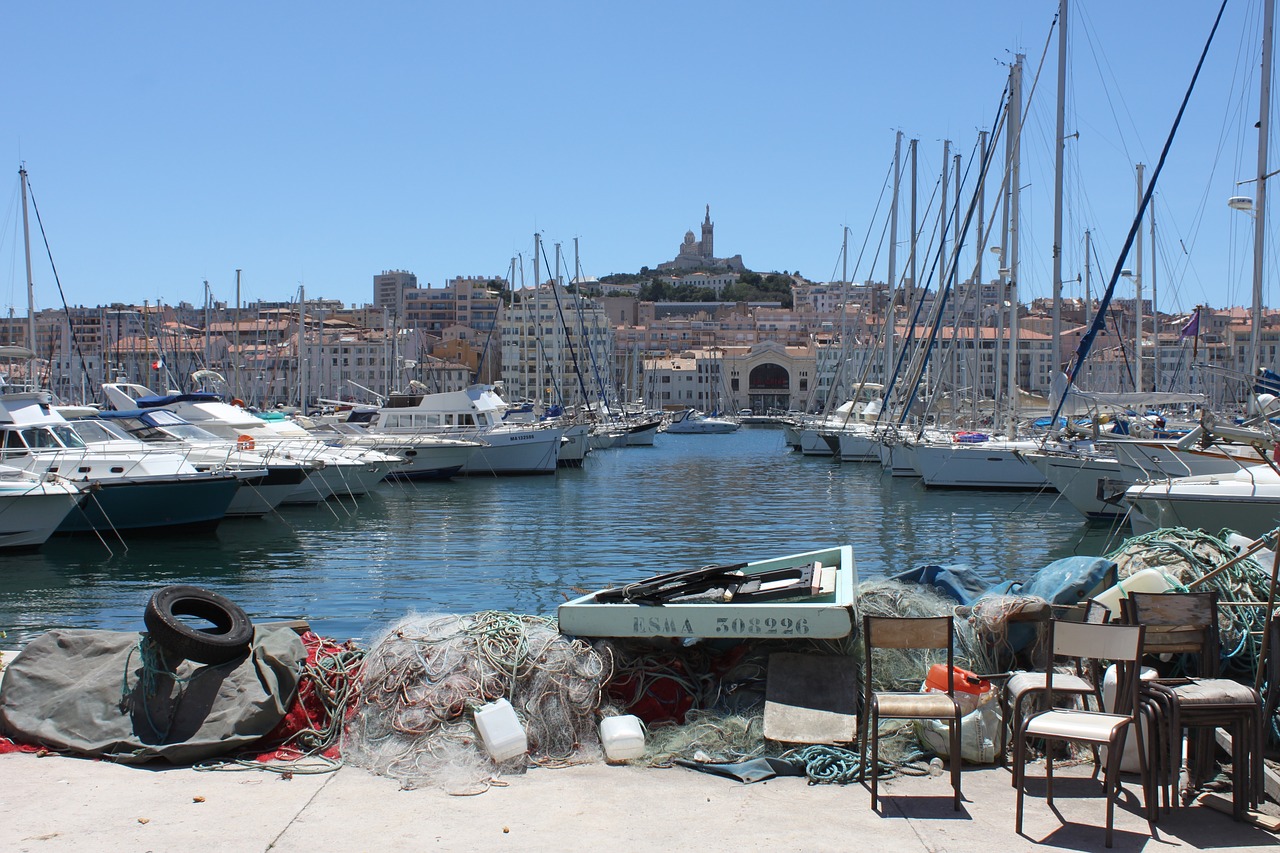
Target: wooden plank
(1270,781)
(1217,802)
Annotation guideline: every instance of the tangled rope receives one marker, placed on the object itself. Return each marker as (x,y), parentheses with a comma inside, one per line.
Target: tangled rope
(423,678)
(1186,556)
(835,765)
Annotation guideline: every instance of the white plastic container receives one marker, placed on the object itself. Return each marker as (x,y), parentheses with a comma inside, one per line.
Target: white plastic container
(1110,686)
(1147,580)
(500,730)
(622,737)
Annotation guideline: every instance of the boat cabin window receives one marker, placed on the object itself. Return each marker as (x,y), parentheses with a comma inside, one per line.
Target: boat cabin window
(40,437)
(13,444)
(67,435)
(94,432)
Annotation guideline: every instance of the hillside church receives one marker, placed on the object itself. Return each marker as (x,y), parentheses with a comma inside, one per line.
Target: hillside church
(700,254)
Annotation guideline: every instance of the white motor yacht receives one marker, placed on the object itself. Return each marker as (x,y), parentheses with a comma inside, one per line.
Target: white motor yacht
(691,422)
(339,471)
(133,487)
(476,413)
(264,483)
(32,507)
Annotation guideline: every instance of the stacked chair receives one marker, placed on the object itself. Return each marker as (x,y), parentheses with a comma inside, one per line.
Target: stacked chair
(1186,623)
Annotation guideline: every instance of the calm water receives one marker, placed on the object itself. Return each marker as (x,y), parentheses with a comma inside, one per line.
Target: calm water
(523,544)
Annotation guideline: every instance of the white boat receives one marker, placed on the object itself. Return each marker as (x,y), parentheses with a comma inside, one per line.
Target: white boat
(32,508)
(134,487)
(265,483)
(426,457)
(575,444)
(801,596)
(691,422)
(641,432)
(476,413)
(858,443)
(338,471)
(1164,459)
(606,436)
(973,461)
(1091,482)
(1247,501)
(897,454)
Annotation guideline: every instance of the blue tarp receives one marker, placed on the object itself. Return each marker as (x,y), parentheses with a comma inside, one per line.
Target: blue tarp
(1071,580)
(956,581)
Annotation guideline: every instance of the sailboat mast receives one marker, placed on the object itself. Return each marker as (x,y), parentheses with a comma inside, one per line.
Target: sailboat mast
(1260,199)
(1059,145)
(1137,296)
(1088,296)
(893,254)
(915,234)
(302,348)
(1155,306)
(31,284)
(1015,192)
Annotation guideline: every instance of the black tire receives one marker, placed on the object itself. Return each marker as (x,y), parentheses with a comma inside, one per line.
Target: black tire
(228,637)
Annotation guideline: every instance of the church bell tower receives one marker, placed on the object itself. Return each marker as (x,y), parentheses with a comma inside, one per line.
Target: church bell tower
(708,236)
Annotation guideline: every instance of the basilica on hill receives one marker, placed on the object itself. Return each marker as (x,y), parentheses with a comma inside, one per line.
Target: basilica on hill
(700,254)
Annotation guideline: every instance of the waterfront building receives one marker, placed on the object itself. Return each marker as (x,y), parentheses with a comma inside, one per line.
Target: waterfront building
(389,288)
(555,343)
(471,301)
(764,377)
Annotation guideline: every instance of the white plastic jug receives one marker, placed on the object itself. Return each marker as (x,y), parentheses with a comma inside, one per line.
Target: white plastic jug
(1110,686)
(1147,580)
(500,730)
(622,737)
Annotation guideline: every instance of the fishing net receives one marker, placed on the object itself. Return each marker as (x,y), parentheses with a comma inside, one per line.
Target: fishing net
(997,642)
(424,677)
(1186,556)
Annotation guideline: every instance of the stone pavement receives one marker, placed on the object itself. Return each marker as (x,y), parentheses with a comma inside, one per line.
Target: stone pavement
(56,804)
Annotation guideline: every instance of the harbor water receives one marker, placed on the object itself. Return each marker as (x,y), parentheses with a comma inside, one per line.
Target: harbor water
(526,544)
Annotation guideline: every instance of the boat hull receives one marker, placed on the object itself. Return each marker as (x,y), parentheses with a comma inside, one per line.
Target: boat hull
(185,502)
(987,467)
(29,514)
(826,616)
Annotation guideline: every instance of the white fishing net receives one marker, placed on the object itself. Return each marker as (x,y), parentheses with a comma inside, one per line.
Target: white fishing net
(423,679)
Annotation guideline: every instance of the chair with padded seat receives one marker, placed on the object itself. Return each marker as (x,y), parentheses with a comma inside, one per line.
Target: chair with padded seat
(1023,685)
(905,632)
(1186,623)
(1120,644)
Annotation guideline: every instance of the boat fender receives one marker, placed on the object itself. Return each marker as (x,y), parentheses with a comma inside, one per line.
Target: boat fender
(244,442)
(227,638)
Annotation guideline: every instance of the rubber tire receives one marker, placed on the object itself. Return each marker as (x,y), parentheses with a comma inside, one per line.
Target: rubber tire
(227,639)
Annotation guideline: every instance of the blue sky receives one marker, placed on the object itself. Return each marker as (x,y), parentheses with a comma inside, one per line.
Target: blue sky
(320,143)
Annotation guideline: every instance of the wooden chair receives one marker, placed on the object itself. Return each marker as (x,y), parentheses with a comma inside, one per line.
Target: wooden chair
(1187,623)
(890,632)
(1121,644)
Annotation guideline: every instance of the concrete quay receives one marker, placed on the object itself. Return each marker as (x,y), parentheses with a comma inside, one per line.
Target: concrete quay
(67,804)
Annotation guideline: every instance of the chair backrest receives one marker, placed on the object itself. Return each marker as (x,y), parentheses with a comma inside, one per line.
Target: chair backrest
(1179,623)
(908,632)
(1095,641)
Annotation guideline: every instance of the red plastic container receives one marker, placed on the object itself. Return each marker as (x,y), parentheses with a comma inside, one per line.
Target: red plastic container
(965,681)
